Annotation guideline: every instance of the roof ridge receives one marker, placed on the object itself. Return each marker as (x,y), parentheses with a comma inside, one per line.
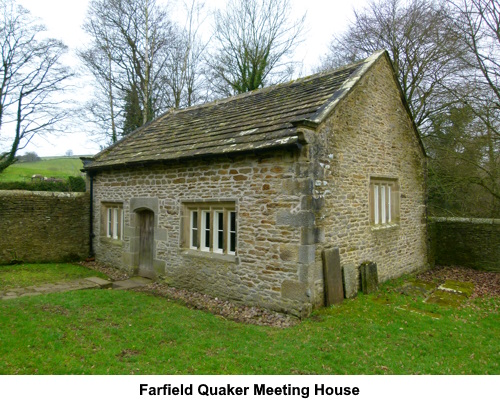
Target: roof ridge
(267,88)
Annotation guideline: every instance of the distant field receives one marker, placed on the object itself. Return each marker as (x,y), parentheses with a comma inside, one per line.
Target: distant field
(51,167)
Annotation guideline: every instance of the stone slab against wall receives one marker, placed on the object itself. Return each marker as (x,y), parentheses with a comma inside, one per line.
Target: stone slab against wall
(350,276)
(40,226)
(369,277)
(334,289)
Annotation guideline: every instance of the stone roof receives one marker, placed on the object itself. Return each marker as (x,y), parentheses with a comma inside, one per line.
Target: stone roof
(261,119)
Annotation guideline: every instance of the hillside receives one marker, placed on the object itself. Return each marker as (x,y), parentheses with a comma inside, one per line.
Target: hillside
(61,167)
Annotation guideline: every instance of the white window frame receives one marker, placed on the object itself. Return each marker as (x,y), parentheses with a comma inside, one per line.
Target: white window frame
(193,225)
(212,222)
(109,223)
(205,226)
(230,232)
(217,230)
(384,202)
(115,223)
(113,220)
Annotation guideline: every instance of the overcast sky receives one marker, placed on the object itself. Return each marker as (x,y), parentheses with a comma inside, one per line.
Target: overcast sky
(64,18)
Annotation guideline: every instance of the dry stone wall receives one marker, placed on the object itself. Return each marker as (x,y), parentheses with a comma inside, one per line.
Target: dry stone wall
(468,242)
(38,226)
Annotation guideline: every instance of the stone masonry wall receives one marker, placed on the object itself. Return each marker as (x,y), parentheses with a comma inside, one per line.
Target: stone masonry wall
(37,226)
(269,267)
(469,242)
(370,135)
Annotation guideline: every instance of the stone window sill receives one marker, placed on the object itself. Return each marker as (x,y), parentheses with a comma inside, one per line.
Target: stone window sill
(385,227)
(110,241)
(210,255)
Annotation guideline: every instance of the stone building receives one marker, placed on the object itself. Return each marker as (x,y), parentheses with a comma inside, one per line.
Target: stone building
(239,197)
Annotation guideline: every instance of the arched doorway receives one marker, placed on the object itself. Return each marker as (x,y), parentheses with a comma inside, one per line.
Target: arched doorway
(146,226)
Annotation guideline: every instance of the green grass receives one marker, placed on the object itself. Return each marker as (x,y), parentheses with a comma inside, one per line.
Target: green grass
(54,167)
(126,332)
(25,275)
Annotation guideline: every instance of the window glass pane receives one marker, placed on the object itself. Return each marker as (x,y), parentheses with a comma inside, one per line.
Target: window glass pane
(194,229)
(232,231)
(122,224)
(110,223)
(115,223)
(389,208)
(205,243)
(375,202)
(382,204)
(220,230)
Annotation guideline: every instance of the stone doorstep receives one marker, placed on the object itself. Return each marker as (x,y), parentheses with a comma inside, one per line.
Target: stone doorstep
(100,282)
(133,282)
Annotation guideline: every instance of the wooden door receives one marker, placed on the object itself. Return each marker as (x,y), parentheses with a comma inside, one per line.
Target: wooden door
(146,244)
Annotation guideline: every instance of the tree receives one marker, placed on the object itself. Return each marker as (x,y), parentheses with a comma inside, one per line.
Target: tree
(423,49)
(31,75)
(132,111)
(185,81)
(254,41)
(477,24)
(29,157)
(129,53)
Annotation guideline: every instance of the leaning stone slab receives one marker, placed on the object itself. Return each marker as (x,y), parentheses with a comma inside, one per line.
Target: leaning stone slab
(350,277)
(369,277)
(334,288)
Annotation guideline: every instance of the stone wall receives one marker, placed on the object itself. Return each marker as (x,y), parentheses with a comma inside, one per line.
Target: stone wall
(290,204)
(469,242)
(267,195)
(370,135)
(38,226)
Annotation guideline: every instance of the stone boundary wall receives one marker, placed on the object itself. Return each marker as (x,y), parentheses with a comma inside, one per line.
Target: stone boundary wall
(470,242)
(40,226)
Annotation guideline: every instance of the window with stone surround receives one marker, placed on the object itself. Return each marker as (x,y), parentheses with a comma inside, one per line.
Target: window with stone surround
(210,227)
(384,201)
(112,218)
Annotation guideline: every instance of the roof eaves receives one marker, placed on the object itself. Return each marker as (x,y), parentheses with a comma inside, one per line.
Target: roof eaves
(294,140)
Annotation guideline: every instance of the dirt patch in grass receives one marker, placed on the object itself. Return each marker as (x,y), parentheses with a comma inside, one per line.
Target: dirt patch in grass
(486,284)
(112,272)
(224,309)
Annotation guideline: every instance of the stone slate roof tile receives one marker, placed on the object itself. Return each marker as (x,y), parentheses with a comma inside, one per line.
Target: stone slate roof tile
(261,119)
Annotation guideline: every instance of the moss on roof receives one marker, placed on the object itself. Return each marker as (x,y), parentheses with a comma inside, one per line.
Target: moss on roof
(260,119)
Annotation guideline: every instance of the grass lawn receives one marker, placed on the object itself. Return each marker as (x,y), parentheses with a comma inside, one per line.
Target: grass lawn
(25,275)
(127,332)
(56,167)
